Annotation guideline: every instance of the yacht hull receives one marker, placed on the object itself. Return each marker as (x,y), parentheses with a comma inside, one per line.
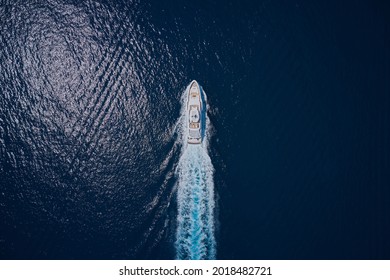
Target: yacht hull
(194,110)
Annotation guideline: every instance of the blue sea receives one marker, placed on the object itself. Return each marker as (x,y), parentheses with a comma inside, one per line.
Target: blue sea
(295,162)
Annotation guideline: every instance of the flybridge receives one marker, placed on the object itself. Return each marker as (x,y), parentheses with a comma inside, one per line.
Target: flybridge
(194,109)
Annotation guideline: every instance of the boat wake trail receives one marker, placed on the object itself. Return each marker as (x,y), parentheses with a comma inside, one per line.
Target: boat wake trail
(195,238)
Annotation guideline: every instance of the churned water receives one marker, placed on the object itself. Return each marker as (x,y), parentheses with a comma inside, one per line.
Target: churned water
(195,234)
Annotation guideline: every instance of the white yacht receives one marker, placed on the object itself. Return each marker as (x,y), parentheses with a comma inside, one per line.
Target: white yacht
(194,109)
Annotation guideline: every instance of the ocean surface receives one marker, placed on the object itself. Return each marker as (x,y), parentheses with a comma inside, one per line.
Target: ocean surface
(296,162)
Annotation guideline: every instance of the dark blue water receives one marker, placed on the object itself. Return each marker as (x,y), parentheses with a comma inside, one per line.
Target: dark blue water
(299,102)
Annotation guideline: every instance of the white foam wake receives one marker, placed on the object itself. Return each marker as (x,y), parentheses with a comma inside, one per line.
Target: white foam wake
(195,195)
